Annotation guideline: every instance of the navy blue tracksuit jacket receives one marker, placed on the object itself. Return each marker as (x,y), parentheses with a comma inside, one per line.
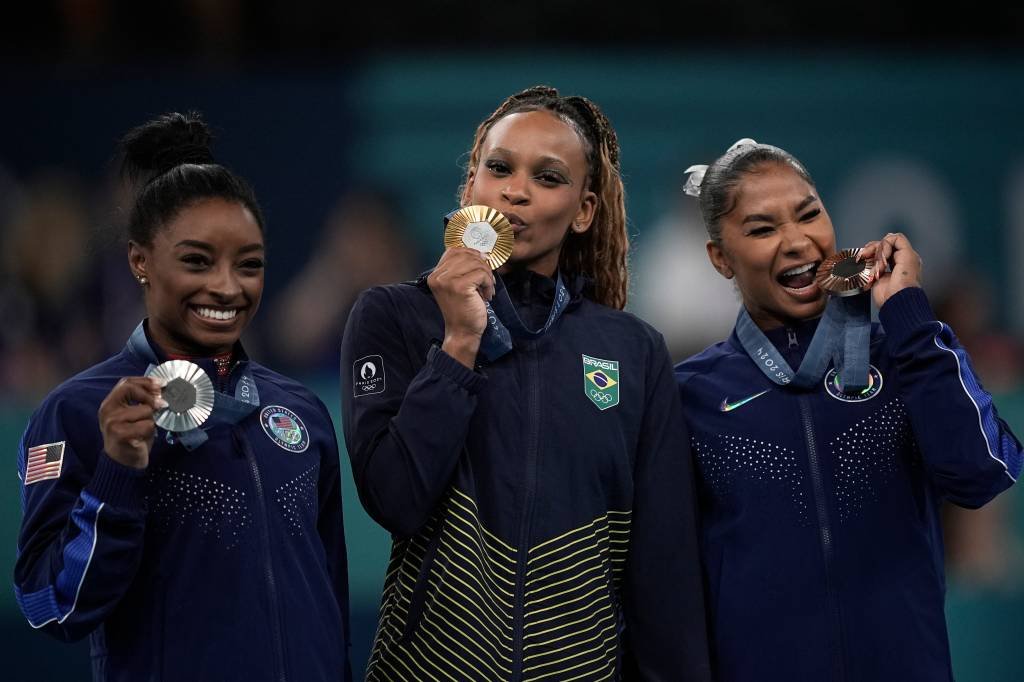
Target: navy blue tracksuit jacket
(541,507)
(820,527)
(223,563)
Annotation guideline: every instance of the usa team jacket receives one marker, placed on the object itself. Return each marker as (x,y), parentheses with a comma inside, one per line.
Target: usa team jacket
(820,532)
(541,508)
(223,563)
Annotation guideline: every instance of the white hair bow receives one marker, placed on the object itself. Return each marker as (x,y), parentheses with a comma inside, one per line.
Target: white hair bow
(696,173)
(745,142)
(693,181)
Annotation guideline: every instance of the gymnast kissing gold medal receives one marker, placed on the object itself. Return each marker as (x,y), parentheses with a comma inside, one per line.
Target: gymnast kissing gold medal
(481,228)
(843,275)
(188,392)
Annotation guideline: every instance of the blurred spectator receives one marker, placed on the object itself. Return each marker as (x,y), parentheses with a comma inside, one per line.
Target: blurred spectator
(362,244)
(676,289)
(982,551)
(968,308)
(48,302)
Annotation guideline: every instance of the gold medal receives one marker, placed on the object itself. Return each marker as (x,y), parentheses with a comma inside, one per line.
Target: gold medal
(843,275)
(188,392)
(481,228)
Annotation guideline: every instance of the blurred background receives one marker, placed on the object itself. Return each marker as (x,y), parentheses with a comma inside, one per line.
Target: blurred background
(353,125)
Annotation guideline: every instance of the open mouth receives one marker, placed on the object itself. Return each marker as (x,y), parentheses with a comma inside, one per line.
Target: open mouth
(215,314)
(800,277)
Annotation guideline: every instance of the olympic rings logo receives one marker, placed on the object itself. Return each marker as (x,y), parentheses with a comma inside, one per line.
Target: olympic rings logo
(601,396)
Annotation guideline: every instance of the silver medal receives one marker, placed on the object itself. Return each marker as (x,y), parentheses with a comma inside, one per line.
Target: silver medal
(188,392)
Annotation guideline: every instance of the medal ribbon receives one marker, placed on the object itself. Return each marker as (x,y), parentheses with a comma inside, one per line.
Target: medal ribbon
(226,409)
(504,323)
(843,337)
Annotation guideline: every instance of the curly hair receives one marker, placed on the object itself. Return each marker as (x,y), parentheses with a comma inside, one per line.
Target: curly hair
(601,252)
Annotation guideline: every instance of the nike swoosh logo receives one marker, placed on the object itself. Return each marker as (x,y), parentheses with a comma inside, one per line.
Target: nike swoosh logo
(726,406)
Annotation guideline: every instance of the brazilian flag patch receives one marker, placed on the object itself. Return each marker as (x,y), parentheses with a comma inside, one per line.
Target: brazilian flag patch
(601,381)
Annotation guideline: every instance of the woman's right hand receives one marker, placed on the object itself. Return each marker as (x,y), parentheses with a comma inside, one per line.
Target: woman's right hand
(126,420)
(461,283)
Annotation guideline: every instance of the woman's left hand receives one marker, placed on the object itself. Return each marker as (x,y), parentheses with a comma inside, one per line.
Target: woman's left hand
(897,266)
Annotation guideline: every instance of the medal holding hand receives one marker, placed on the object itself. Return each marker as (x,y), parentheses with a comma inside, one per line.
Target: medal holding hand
(896,266)
(461,283)
(478,240)
(126,420)
(884,266)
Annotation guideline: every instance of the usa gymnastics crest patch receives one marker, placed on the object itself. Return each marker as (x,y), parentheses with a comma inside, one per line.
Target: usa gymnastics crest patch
(835,390)
(601,381)
(284,428)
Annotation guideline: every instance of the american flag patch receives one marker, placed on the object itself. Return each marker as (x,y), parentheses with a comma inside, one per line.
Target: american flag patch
(282,421)
(44,462)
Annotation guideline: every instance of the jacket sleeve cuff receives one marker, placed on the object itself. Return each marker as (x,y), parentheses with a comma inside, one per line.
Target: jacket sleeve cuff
(904,312)
(448,366)
(118,485)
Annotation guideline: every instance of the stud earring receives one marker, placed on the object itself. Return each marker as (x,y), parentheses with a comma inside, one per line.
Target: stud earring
(143,280)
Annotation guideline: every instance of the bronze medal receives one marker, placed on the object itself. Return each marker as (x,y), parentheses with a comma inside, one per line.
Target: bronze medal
(843,275)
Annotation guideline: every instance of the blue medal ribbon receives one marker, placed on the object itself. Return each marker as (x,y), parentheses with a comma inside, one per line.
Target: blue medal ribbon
(226,409)
(504,323)
(843,337)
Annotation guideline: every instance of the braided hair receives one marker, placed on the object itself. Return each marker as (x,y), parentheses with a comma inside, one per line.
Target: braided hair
(601,252)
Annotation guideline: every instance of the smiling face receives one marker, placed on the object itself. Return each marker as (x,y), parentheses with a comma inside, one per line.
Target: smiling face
(533,169)
(772,242)
(205,277)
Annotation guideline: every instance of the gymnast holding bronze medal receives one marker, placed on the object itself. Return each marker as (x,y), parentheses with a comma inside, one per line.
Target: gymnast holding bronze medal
(825,443)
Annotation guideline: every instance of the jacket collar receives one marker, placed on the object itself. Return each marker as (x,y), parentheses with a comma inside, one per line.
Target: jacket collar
(142,347)
(578,285)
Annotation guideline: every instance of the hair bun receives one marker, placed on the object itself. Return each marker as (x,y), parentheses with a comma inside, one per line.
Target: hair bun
(167,141)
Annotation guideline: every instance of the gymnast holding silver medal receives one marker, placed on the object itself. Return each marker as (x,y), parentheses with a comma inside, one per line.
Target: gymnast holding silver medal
(182,503)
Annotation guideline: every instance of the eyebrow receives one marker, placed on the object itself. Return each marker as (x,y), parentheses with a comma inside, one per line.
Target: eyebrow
(195,244)
(806,202)
(546,160)
(758,218)
(766,218)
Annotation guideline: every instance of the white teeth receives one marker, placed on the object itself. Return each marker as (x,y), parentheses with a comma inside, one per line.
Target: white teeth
(217,314)
(799,270)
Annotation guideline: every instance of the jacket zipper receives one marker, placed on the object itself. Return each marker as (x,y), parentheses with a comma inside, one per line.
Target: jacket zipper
(530,485)
(825,536)
(268,567)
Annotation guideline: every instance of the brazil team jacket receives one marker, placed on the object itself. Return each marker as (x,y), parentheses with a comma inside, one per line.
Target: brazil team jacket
(820,529)
(226,562)
(541,507)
